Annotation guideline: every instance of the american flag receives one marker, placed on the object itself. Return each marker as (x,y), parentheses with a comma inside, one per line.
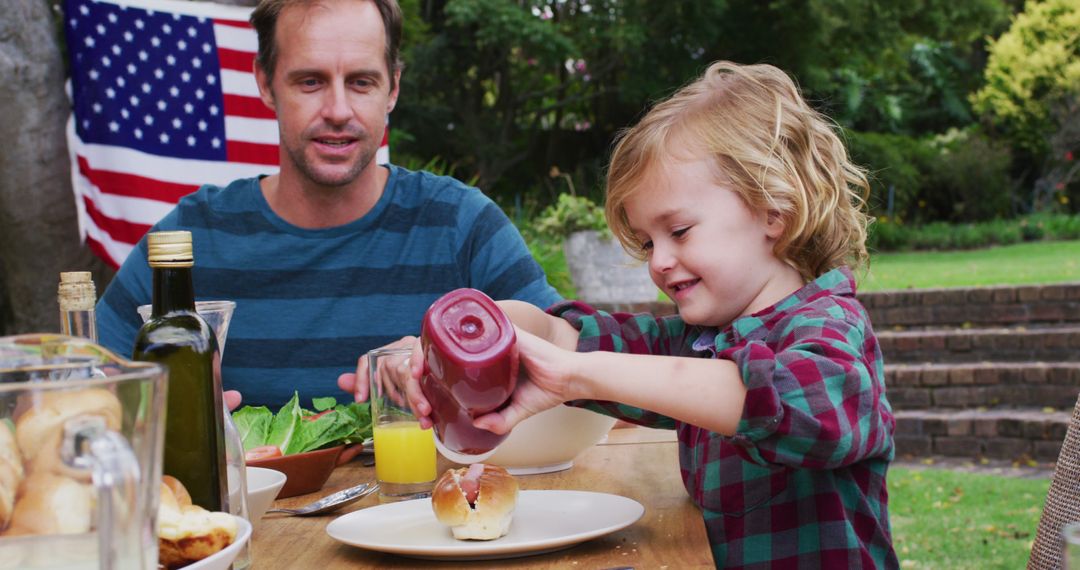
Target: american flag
(163,101)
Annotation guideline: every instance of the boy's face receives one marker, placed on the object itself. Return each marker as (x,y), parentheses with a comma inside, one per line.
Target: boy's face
(331,89)
(706,249)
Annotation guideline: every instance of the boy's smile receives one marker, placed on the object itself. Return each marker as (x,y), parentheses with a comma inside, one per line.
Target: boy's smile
(706,249)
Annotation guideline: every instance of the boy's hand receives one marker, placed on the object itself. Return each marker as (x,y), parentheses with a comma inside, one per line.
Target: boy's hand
(544,382)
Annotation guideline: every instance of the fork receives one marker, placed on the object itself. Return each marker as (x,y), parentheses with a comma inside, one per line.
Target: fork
(332,502)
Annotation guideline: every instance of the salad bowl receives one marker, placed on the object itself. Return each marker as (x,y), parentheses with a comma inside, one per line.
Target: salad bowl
(304,472)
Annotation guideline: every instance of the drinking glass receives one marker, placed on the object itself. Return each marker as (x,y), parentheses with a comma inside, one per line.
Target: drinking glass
(404,453)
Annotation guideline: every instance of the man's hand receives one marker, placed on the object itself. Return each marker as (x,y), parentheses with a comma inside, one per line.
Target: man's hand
(232,399)
(359,383)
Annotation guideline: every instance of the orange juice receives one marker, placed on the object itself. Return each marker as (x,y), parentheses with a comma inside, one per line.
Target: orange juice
(404,453)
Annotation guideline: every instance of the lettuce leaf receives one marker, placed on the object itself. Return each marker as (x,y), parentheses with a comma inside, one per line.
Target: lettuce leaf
(253,423)
(296,430)
(285,425)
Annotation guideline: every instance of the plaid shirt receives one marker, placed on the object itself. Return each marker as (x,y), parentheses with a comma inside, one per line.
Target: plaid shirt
(802,482)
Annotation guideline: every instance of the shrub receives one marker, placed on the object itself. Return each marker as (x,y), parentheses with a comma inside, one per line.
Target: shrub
(968,179)
(893,161)
(570,214)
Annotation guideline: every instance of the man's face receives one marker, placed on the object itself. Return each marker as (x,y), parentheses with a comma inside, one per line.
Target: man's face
(331,89)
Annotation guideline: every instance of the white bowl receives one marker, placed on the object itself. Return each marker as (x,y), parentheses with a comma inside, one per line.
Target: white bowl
(223,558)
(550,440)
(263,486)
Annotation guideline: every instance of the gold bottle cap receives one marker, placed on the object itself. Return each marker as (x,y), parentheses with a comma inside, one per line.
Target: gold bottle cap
(170,249)
(76,291)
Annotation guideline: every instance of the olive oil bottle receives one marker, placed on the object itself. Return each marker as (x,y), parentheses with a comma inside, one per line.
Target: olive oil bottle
(176,336)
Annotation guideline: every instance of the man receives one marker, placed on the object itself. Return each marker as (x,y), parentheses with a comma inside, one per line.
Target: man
(334,255)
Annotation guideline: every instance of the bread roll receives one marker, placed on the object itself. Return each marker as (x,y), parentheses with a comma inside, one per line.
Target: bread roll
(52,504)
(493,493)
(188,533)
(40,429)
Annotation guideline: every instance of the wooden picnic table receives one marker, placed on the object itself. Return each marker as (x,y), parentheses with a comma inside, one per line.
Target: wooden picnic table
(638,463)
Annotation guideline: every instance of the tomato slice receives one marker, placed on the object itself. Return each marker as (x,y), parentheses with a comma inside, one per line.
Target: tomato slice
(314,417)
(263,452)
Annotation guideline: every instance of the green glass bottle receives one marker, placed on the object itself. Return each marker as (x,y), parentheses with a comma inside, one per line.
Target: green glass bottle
(176,336)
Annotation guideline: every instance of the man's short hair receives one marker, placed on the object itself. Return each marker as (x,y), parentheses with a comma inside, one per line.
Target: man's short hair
(264,20)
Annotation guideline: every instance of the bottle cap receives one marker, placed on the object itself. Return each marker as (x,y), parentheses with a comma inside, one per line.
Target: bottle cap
(169,249)
(76,291)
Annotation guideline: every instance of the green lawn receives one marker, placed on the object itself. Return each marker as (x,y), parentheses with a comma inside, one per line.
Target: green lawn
(949,519)
(1034,262)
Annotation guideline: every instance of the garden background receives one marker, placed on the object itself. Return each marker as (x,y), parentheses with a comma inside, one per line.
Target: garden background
(966,114)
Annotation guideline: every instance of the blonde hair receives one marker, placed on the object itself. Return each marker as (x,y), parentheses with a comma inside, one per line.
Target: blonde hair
(779,153)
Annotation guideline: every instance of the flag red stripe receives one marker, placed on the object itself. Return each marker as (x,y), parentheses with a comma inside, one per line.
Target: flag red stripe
(119,230)
(233,23)
(235,60)
(252,153)
(134,186)
(251,107)
(100,251)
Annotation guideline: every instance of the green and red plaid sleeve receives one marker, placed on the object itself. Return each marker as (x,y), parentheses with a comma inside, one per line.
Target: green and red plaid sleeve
(802,483)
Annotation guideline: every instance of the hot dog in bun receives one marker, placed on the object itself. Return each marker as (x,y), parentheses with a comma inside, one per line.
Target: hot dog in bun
(477,502)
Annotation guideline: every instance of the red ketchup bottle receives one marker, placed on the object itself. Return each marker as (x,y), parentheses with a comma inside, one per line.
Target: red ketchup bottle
(471,364)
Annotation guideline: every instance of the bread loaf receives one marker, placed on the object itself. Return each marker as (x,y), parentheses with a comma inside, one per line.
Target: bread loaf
(11,473)
(52,504)
(40,429)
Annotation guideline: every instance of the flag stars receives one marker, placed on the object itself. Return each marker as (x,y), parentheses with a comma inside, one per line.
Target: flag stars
(185,77)
(174,91)
(199,94)
(158,73)
(114,126)
(170,59)
(139,23)
(128,36)
(162,105)
(181,45)
(191,140)
(120,81)
(131,69)
(215,142)
(85,124)
(89,41)
(211,79)
(196,62)
(112,18)
(202,126)
(207,48)
(94,74)
(164,138)
(155,41)
(84,10)
(143,56)
(138,133)
(146,88)
(116,50)
(191,32)
(134,101)
(110,93)
(166,28)
(97,108)
(213,110)
(125,113)
(177,124)
(106,61)
(100,29)
(148,120)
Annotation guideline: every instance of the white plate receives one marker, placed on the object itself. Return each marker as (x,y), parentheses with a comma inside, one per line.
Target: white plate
(544,521)
(221,559)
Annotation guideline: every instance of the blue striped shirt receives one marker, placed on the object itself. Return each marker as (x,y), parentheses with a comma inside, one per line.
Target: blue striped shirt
(310,302)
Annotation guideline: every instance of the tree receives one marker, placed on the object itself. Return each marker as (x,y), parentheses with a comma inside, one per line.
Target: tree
(1032,92)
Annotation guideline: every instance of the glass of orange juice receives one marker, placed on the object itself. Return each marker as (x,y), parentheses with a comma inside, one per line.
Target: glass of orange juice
(404,453)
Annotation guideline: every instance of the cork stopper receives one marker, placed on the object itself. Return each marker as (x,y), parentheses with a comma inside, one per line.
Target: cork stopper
(170,249)
(76,291)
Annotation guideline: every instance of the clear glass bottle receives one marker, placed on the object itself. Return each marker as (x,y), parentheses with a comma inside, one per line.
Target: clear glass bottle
(76,295)
(176,336)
